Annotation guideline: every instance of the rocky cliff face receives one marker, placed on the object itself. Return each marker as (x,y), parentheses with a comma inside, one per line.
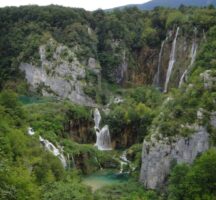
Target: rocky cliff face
(60,73)
(80,131)
(184,51)
(160,154)
(152,63)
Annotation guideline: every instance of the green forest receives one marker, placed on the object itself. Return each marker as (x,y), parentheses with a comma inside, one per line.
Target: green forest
(125,45)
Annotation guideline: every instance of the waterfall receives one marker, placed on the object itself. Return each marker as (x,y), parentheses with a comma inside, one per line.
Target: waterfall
(123,157)
(122,69)
(68,163)
(193,57)
(103,140)
(121,167)
(97,118)
(30,131)
(73,161)
(125,162)
(157,76)
(204,36)
(171,61)
(55,151)
(118,100)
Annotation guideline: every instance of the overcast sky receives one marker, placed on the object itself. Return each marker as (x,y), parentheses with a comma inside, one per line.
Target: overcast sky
(86,4)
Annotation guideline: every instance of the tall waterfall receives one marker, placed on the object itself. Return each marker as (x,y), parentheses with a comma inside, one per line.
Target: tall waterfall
(171,61)
(123,161)
(204,35)
(97,118)
(157,76)
(193,57)
(103,140)
(54,150)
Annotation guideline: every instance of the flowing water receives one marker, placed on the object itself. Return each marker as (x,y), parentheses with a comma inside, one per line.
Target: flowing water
(193,57)
(54,150)
(97,118)
(30,131)
(171,61)
(103,139)
(157,76)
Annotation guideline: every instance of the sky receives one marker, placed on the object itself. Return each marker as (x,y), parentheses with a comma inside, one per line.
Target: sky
(86,4)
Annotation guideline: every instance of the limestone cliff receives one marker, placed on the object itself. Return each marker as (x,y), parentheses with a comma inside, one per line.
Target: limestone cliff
(160,154)
(60,73)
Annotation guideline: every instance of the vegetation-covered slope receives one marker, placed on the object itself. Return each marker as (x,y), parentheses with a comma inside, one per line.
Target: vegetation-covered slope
(126,44)
(115,42)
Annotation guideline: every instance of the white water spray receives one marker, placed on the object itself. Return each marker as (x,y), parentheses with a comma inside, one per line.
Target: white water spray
(103,140)
(171,61)
(193,58)
(54,150)
(30,131)
(157,76)
(204,36)
(125,162)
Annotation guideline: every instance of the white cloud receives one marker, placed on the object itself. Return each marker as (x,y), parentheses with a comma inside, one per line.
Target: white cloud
(86,4)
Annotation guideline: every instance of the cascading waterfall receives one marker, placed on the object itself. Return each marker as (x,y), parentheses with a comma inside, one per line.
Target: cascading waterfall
(30,131)
(193,57)
(204,35)
(122,167)
(125,162)
(157,76)
(103,140)
(123,157)
(171,61)
(123,68)
(97,118)
(71,161)
(55,151)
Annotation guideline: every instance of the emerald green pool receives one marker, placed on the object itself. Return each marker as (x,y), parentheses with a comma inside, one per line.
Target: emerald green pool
(103,178)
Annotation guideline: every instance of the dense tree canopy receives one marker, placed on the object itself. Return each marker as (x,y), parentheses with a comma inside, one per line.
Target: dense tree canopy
(27,171)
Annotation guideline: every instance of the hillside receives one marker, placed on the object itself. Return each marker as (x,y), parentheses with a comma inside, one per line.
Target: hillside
(107,105)
(171,4)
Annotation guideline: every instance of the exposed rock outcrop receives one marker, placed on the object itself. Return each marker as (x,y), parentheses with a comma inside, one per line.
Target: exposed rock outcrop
(159,155)
(209,78)
(60,74)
